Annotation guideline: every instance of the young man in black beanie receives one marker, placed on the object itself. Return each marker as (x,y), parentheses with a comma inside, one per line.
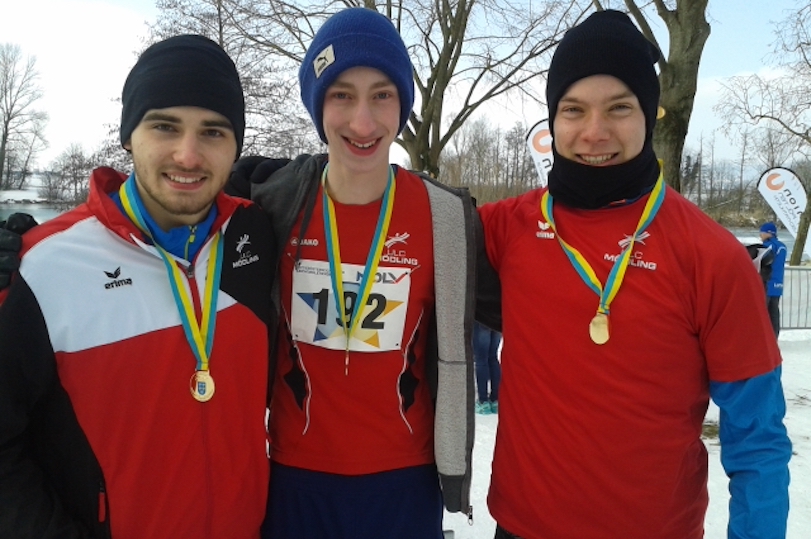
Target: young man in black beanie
(133,344)
(372,410)
(617,333)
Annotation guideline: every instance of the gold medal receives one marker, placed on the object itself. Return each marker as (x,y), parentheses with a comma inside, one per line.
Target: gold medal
(202,386)
(598,328)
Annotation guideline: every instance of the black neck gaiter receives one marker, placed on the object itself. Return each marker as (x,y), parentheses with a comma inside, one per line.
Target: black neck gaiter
(589,188)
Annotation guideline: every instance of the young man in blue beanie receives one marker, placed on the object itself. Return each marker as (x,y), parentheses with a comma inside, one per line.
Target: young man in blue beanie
(616,335)
(774,286)
(372,414)
(372,410)
(133,343)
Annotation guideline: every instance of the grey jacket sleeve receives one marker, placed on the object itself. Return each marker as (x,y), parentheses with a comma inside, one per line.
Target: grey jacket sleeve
(452,215)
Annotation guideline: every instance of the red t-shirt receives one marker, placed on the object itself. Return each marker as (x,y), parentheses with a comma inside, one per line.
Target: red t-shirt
(376,414)
(600,441)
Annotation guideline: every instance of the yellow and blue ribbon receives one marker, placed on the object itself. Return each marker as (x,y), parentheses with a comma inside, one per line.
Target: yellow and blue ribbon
(372,259)
(616,276)
(200,336)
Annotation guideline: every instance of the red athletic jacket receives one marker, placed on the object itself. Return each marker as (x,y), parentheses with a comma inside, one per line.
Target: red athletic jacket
(99,433)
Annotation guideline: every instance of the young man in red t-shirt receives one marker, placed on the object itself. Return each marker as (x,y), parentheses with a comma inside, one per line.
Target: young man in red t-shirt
(372,410)
(617,332)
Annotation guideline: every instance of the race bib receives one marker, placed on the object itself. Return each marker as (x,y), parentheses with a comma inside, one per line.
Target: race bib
(314,314)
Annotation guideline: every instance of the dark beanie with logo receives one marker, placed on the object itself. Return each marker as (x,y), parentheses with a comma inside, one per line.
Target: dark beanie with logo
(606,43)
(183,71)
(354,37)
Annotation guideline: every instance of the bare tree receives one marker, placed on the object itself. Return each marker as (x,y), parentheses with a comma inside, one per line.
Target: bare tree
(19,91)
(480,49)
(773,147)
(744,158)
(761,148)
(779,104)
(22,150)
(110,153)
(691,172)
(803,170)
(66,183)
(275,123)
(714,184)
(53,190)
(492,163)
(521,172)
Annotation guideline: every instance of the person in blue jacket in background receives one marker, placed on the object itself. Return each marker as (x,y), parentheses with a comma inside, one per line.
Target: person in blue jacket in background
(774,286)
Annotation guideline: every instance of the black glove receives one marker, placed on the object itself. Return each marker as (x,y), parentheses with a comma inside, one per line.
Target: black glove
(239,183)
(11,242)
(248,170)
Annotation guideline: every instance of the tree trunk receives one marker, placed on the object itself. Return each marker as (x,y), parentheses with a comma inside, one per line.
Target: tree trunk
(802,236)
(688,31)
(3,145)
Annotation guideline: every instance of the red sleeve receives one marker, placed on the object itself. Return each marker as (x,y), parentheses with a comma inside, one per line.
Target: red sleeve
(731,315)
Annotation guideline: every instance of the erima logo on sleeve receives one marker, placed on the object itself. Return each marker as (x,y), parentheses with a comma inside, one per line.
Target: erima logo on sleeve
(116,282)
(544,231)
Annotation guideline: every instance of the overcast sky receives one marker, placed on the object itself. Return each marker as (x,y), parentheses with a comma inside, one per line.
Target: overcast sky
(85,48)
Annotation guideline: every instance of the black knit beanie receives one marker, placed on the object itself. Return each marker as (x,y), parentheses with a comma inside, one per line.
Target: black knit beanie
(183,71)
(606,43)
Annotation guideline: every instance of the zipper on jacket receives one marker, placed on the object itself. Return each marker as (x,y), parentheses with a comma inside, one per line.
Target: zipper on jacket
(102,503)
(470,515)
(192,231)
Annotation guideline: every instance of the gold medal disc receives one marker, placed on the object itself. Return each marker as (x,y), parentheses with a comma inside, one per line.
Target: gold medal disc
(598,328)
(202,386)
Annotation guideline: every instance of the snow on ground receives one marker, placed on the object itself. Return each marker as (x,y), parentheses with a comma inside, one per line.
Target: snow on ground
(26,201)
(796,349)
(19,195)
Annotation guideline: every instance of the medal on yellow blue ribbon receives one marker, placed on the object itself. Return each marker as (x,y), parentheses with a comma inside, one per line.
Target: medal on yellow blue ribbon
(599,329)
(202,386)
(349,321)
(200,336)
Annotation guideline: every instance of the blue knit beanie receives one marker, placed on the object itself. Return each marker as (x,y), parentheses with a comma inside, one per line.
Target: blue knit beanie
(354,37)
(769,228)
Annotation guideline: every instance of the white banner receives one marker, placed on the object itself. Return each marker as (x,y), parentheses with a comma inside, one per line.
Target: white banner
(785,194)
(539,141)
